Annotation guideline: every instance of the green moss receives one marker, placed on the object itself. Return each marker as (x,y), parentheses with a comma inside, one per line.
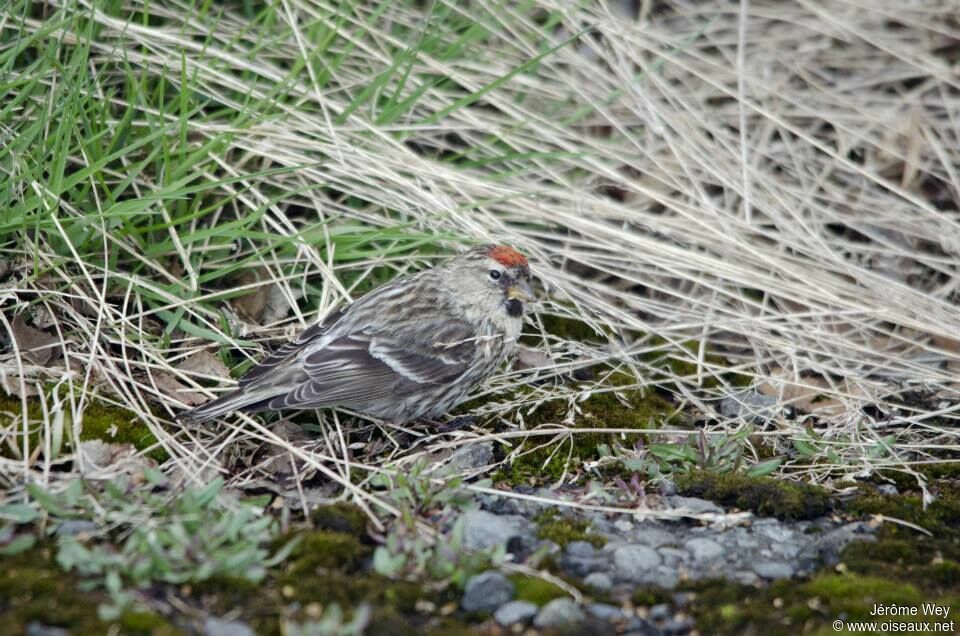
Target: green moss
(33,588)
(552,526)
(903,553)
(146,623)
(535,590)
(941,517)
(340,517)
(765,496)
(323,550)
(100,421)
(633,409)
(788,607)
(665,356)
(647,596)
(566,328)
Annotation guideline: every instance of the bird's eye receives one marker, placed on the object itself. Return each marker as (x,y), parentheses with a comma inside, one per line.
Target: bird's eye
(495,274)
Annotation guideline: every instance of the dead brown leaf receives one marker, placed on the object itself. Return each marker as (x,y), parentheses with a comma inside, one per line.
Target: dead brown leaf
(105,460)
(205,364)
(172,387)
(37,347)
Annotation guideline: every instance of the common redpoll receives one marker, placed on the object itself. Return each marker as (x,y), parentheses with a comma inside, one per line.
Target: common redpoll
(413,348)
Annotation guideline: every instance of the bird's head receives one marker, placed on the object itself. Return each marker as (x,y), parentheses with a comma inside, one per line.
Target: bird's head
(495,278)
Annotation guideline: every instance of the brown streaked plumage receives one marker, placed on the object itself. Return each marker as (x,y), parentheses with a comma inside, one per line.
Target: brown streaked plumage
(413,348)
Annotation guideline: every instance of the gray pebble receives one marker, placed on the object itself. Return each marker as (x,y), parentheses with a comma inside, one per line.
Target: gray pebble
(581,549)
(635,562)
(694,505)
(682,599)
(704,550)
(773,569)
(653,535)
(471,457)
(599,581)
(486,592)
(515,612)
(605,612)
(677,626)
(557,613)
(665,577)
(213,626)
(482,529)
(39,629)
(659,612)
(668,487)
(637,626)
(888,489)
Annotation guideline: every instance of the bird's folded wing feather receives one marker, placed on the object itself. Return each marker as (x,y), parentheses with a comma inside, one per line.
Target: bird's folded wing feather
(285,351)
(362,367)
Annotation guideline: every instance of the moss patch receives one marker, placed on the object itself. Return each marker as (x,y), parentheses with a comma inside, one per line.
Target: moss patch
(788,607)
(538,462)
(902,567)
(340,517)
(33,588)
(535,590)
(552,526)
(101,421)
(766,496)
(330,566)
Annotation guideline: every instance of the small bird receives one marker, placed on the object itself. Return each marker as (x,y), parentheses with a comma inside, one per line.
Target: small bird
(411,349)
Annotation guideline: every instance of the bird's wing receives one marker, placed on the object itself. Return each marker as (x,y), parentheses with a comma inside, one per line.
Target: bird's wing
(361,367)
(289,349)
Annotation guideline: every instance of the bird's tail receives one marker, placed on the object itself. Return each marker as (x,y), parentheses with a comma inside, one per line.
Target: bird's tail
(232,401)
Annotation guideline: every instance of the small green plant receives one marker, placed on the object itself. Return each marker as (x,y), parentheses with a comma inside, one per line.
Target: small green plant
(721,454)
(410,550)
(331,623)
(141,536)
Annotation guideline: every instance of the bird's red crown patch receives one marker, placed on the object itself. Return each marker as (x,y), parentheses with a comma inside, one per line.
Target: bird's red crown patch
(507,256)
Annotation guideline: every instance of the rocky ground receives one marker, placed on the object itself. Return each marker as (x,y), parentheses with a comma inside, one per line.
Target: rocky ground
(618,556)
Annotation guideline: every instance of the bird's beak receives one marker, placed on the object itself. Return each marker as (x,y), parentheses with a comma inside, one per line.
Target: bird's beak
(521,290)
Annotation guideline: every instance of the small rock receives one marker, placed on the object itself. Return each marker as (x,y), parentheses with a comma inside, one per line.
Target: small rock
(659,612)
(605,612)
(773,570)
(486,592)
(668,487)
(678,625)
(653,535)
(39,629)
(673,556)
(833,542)
(694,505)
(637,626)
(482,529)
(623,525)
(470,457)
(515,612)
(773,530)
(213,626)
(888,489)
(599,581)
(581,567)
(557,613)
(581,549)
(682,599)
(635,562)
(665,577)
(704,550)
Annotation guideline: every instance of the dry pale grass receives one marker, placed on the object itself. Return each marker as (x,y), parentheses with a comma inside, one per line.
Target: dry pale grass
(776,182)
